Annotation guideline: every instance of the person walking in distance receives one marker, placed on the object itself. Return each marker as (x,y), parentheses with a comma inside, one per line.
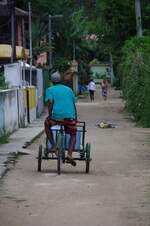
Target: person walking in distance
(104,87)
(92,89)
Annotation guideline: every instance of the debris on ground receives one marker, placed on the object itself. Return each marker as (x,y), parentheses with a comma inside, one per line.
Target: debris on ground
(105,125)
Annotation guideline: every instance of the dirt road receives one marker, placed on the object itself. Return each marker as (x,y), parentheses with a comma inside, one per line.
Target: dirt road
(115,193)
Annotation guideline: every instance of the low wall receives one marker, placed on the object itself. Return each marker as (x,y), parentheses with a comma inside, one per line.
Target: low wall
(17,108)
(13,75)
(22,107)
(39,86)
(9,111)
(31,103)
(2,112)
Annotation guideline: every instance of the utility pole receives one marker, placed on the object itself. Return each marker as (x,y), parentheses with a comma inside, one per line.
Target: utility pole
(138,18)
(50,17)
(50,40)
(30,40)
(74,51)
(13,35)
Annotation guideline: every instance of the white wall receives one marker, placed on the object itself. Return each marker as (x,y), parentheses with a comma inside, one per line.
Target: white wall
(40,104)
(10,111)
(13,74)
(22,108)
(13,108)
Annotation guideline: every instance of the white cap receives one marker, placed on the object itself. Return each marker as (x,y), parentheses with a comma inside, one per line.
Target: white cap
(56,77)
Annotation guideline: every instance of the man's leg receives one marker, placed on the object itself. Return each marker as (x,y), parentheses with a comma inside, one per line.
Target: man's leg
(93,96)
(72,130)
(72,143)
(90,95)
(48,124)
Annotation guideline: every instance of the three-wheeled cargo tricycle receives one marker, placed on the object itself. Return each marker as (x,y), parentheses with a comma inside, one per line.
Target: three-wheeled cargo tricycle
(82,150)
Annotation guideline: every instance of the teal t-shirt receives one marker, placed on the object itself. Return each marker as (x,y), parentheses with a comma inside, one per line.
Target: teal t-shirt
(63,101)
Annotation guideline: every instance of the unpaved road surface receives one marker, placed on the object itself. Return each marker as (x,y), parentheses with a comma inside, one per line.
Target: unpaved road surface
(116,192)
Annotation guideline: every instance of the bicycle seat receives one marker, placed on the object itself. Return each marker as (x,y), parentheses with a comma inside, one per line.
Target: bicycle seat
(60,122)
(64,122)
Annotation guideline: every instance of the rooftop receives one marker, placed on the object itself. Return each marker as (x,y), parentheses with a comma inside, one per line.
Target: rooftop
(5,11)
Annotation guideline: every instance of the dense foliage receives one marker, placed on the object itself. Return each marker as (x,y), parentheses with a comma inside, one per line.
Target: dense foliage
(112,23)
(135,73)
(68,33)
(3,84)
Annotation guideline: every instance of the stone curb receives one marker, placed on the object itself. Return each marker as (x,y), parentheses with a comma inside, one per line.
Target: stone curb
(3,164)
(27,143)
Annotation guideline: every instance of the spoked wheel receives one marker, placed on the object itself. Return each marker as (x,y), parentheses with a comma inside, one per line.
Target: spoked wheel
(87,150)
(59,161)
(59,152)
(39,158)
(63,156)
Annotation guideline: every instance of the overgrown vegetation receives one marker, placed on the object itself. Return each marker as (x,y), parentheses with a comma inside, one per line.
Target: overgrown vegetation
(4,139)
(3,84)
(111,23)
(135,71)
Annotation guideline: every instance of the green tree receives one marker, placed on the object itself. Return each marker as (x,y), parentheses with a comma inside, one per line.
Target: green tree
(113,22)
(39,38)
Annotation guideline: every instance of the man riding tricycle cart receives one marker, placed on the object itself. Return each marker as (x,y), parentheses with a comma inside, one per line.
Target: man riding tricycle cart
(65,134)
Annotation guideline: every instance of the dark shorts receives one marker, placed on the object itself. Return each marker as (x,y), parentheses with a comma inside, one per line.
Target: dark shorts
(91,92)
(69,124)
(104,92)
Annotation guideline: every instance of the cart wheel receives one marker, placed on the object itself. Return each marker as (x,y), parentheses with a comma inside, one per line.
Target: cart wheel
(88,150)
(40,158)
(82,154)
(59,161)
(63,156)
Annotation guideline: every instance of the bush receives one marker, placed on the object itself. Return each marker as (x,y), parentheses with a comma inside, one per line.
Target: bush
(4,139)
(3,84)
(135,70)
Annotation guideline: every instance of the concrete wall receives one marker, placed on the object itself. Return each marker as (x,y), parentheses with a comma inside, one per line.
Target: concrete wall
(15,110)
(40,92)
(9,111)
(2,112)
(13,74)
(27,101)
(31,103)
(22,107)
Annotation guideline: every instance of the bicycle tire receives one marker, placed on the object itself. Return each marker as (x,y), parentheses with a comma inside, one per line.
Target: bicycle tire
(39,158)
(59,162)
(59,152)
(88,150)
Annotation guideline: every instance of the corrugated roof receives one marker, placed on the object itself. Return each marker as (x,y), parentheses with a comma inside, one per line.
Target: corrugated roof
(20,12)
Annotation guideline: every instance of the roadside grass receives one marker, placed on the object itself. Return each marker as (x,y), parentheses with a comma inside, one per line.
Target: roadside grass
(83,95)
(4,139)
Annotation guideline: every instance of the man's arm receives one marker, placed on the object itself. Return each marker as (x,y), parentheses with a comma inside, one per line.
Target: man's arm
(76,114)
(75,108)
(49,100)
(50,107)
